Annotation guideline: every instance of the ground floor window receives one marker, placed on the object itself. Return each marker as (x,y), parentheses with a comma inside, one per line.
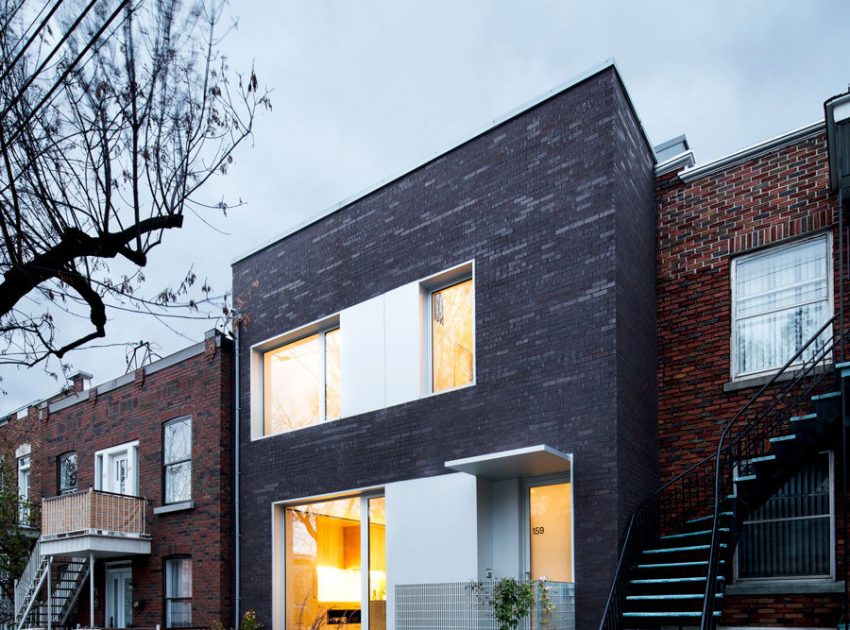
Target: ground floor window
(335,571)
(178,592)
(790,536)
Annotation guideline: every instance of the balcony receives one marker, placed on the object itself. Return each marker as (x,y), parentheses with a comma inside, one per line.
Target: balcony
(94,522)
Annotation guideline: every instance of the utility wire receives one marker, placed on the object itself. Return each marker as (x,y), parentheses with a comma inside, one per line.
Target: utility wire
(29,42)
(22,90)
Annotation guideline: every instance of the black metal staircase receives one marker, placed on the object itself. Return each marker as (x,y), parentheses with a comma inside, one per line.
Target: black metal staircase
(677,554)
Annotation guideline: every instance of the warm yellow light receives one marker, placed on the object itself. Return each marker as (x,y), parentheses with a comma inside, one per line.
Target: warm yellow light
(338,585)
(377,585)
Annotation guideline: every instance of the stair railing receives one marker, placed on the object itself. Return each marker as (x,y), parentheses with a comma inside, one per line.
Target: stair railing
(698,488)
(23,583)
(747,435)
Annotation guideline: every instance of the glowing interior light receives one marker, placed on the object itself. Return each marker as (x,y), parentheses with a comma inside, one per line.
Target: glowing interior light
(338,585)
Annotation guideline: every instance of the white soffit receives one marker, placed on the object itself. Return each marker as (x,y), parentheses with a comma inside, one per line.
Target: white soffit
(530,461)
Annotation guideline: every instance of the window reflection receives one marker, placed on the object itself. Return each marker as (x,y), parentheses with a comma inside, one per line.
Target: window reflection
(325,563)
(452,349)
(296,379)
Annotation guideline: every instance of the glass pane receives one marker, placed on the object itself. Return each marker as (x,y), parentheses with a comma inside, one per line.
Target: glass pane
(766,342)
(67,473)
(377,564)
(789,535)
(178,614)
(452,336)
(332,408)
(291,385)
(178,578)
(781,299)
(178,482)
(550,527)
(178,441)
(323,570)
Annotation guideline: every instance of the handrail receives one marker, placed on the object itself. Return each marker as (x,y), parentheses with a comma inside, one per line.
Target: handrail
(611,614)
(711,575)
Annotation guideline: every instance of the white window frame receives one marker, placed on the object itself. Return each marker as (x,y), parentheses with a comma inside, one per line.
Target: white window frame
(832,541)
(766,251)
(429,286)
(166,466)
(24,464)
(258,394)
(132,449)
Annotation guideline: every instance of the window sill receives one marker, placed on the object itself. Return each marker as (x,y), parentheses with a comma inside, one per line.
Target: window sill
(174,507)
(785,587)
(749,382)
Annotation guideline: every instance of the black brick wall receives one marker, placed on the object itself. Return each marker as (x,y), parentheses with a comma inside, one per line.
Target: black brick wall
(563,242)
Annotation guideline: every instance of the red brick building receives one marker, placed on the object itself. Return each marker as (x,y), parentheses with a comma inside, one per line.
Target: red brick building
(747,270)
(132,477)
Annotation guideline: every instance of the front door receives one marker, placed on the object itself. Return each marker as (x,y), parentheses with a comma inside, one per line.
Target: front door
(550,526)
(119,597)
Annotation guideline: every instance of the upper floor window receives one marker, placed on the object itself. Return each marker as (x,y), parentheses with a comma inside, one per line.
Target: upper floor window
(452,336)
(67,472)
(24,490)
(177,460)
(301,382)
(781,297)
(117,469)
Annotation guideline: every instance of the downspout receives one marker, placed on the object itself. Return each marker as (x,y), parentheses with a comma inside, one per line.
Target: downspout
(237,430)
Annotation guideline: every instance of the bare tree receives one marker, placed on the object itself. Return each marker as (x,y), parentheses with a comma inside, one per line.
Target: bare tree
(113,116)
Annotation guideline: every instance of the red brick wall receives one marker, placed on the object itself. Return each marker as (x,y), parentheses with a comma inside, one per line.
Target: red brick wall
(199,387)
(701,226)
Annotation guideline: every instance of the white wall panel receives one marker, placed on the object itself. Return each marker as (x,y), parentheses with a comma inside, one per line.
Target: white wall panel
(362,378)
(403,332)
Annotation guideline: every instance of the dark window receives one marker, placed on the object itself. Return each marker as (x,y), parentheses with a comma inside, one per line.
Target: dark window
(67,470)
(177,460)
(178,593)
(790,535)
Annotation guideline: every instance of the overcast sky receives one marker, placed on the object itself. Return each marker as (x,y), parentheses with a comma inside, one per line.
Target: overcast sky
(366,89)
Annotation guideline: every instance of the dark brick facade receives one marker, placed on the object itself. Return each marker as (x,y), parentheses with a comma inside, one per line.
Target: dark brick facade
(556,207)
(199,386)
(702,225)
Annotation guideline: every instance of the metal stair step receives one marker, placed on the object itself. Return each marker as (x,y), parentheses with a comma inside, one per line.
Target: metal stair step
(699,519)
(682,549)
(826,396)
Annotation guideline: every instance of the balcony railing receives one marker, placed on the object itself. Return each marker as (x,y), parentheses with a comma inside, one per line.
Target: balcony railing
(93,512)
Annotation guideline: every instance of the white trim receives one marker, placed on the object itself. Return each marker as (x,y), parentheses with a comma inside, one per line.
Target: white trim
(132,450)
(753,151)
(587,74)
(766,251)
(683,160)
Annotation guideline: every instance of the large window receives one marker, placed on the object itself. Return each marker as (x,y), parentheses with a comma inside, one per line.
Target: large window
(178,592)
(781,297)
(301,383)
(66,466)
(24,490)
(177,460)
(332,549)
(790,536)
(452,336)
